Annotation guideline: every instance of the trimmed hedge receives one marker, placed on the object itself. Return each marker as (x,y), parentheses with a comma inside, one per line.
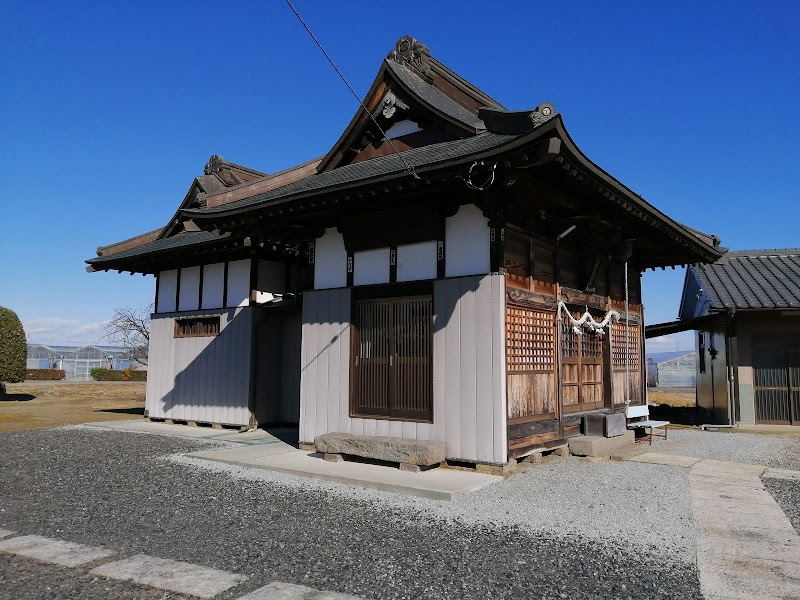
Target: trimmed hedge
(100,374)
(13,347)
(44,374)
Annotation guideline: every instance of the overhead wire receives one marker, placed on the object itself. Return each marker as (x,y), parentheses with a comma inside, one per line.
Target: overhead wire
(408,167)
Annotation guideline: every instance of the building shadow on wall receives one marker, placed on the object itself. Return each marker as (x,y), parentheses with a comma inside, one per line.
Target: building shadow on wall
(251,366)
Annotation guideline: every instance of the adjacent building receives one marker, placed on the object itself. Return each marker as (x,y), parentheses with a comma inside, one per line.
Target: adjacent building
(746,311)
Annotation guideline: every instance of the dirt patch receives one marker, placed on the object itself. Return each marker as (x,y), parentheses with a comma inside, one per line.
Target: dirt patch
(38,404)
(674,397)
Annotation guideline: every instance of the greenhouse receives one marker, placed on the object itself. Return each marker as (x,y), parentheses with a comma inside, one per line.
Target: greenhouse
(77,362)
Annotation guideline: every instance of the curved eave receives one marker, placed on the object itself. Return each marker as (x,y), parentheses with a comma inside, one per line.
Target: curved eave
(144,260)
(570,156)
(632,202)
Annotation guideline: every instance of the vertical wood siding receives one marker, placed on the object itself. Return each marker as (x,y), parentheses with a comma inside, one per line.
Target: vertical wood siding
(277,398)
(469,381)
(205,379)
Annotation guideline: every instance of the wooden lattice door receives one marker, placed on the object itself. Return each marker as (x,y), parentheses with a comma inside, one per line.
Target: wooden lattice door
(531,369)
(776,375)
(626,357)
(581,369)
(393,358)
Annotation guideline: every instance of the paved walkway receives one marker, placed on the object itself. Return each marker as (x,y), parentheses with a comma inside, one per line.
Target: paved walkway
(746,546)
(264,451)
(160,573)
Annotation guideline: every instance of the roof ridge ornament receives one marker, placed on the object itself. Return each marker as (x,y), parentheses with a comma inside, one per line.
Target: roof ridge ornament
(413,54)
(214,164)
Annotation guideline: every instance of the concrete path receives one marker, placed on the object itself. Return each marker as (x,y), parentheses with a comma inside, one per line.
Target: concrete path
(438,484)
(264,451)
(256,436)
(746,546)
(171,575)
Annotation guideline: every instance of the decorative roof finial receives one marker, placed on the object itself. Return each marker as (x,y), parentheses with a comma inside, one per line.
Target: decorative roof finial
(214,164)
(413,54)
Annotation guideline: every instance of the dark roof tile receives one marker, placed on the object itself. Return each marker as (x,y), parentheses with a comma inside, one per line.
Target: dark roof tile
(171,243)
(753,279)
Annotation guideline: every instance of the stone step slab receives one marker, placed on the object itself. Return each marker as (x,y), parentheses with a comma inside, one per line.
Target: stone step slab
(54,551)
(171,575)
(278,590)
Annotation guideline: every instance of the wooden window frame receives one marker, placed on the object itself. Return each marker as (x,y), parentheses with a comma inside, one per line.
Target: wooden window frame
(387,294)
(183,323)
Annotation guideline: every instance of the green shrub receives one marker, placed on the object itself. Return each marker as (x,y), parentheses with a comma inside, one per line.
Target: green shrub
(44,374)
(13,347)
(101,374)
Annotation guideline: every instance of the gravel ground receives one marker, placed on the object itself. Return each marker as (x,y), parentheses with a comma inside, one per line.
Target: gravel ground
(116,489)
(770,450)
(787,494)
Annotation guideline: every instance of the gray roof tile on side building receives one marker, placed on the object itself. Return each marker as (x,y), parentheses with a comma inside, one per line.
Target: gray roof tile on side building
(753,279)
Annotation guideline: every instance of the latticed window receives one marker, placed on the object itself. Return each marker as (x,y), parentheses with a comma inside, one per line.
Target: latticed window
(197,327)
(619,339)
(530,339)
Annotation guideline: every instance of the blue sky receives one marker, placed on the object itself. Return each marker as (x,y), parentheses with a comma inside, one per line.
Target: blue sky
(109,110)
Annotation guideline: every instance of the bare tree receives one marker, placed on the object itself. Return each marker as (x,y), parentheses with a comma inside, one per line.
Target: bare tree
(130,328)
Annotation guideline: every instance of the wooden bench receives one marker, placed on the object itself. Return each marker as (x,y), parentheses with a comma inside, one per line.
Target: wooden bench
(638,412)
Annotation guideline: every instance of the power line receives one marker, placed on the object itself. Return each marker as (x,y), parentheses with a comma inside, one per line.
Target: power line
(409,167)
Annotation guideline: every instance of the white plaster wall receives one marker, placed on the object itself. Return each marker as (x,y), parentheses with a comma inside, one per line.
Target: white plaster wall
(213,285)
(238,283)
(466,242)
(402,128)
(167,288)
(189,294)
(330,261)
(416,261)
(371,266)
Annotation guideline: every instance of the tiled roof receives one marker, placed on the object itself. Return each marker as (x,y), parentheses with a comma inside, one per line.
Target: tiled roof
(435,98)
(166,244)
(376,167)
(753,279)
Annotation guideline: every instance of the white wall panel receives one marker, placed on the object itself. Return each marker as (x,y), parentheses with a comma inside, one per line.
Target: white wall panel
(238,283)
(371,266)
(189,293)
(167,289)
(469,412)
(466,242)
(213,285)
(330,261)
(416,261)
(204,379)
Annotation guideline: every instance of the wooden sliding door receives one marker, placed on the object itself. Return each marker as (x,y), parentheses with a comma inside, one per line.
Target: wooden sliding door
(393,358)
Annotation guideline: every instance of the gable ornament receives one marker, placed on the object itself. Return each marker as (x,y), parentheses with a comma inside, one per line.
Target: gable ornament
(413,54)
